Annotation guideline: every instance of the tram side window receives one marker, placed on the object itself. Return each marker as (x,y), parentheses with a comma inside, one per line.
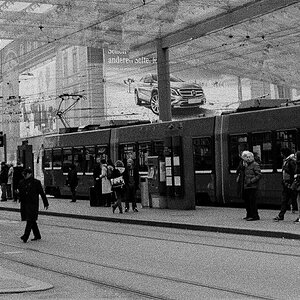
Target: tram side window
(144,152)
(158,148)
(78,158)
(262,147)
(47,159)
(67,159)
(57,158)
(203,154)
(237,144)
(127,151)
(102,152)
(284,139)
(90,153)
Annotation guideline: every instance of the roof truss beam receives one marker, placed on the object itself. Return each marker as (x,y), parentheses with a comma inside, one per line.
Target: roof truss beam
(239,15)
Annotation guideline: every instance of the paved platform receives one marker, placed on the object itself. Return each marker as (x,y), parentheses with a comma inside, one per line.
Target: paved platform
(212,219)
(11,282)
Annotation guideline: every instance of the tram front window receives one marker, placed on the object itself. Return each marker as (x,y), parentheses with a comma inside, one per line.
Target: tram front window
(237,144)
(262,148)
(57,158)
(285,139)
(203,154)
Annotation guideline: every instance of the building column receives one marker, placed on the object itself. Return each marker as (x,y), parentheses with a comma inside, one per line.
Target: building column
(163,73)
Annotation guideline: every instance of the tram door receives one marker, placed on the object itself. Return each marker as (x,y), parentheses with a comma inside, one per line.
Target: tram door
(25,155)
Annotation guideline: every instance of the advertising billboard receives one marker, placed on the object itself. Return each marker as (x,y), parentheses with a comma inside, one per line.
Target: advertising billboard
(131,88)
(37,90)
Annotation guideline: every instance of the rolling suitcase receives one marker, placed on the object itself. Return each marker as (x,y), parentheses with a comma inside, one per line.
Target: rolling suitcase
(94,201)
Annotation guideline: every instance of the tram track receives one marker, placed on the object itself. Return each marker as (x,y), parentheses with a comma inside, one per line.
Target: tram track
(130,271)
(120,233)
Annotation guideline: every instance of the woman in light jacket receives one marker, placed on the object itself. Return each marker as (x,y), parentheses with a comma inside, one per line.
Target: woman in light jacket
(105,183)
(249,175)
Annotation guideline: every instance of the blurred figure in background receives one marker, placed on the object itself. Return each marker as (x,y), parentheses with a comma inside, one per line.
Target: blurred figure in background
(97,180)
(288,172)
(72,181)
(3,180)
(17,177)
(10,182)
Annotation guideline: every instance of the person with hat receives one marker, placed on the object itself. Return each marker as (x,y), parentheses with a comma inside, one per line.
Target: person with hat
(29,191)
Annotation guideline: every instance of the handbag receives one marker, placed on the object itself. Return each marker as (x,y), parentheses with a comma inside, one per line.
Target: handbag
(117,183)
(295,186)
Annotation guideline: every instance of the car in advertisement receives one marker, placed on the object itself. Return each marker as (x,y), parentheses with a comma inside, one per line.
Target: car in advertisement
(183,94)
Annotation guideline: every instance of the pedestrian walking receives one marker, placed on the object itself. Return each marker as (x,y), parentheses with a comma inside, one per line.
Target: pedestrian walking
(288,172)
(118,185)
(29,190)
(3,180)
(72,181)
(297,184)
(17,177)
(9,190)
(131,178)
(248,177)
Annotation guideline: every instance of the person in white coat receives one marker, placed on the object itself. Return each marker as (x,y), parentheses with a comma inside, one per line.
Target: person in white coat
(105,184)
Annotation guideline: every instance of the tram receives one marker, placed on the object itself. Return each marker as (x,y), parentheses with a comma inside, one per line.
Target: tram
(209,148)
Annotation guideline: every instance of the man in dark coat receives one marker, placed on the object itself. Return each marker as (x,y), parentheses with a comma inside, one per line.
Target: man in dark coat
(29,191)
(288,172)
(17,177)
(131,178)
(72,181)
(3,180)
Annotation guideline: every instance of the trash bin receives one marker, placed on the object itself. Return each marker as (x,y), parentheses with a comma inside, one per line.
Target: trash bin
(158,201)
(144,191)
